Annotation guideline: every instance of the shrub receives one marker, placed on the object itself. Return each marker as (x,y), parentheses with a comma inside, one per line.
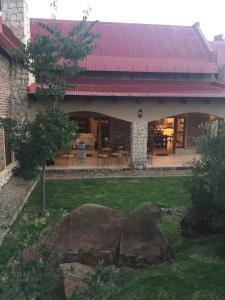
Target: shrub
(22,279)
(207,184)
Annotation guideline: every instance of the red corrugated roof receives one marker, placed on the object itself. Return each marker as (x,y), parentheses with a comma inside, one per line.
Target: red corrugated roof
(143,48)
(7,38)
(143,88)
(219,47)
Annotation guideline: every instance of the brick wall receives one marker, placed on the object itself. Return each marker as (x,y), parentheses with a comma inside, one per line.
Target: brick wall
(4,102)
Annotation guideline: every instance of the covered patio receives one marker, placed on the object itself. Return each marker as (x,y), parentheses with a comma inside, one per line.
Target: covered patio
(170,161)
(137,123)
(106,142)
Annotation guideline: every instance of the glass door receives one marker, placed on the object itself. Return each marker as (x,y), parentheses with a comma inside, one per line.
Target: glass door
(179,132)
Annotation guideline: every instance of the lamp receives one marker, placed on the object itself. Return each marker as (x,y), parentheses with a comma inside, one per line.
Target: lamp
(140,113)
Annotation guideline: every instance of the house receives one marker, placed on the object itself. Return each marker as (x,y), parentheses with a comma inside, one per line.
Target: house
(13,79)
(146,88)
(218,46)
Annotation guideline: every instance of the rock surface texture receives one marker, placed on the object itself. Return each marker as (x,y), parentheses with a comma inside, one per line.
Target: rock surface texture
(87,235)
(139,136)
(142,240)
(93,233)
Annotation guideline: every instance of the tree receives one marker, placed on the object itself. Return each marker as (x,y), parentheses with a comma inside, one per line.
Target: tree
(36,142)
(207,184)
(54,60)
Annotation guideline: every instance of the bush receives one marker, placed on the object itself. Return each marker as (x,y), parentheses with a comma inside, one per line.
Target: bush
(101,285)
(31,280)
(207,184)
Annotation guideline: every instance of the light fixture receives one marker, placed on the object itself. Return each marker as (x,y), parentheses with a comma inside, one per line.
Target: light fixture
(140,113)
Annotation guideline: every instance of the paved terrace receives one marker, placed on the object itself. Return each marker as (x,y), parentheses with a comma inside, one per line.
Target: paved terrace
(156,161)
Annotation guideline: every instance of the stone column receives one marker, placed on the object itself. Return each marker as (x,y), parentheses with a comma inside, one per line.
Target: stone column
(15,16)
(139,136)
(19,99)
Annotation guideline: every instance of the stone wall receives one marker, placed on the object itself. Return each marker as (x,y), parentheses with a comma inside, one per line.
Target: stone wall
(19,99)
(13,79)
(15,16)
(139,133)
(119,132)
(5,93)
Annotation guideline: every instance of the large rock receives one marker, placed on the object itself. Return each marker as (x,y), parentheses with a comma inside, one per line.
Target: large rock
(74,276)
(142,240)
(87,235)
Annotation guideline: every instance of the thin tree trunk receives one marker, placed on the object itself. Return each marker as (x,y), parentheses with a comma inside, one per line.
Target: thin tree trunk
(42,202)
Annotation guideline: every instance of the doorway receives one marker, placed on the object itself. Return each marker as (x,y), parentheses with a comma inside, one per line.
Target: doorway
(166,135)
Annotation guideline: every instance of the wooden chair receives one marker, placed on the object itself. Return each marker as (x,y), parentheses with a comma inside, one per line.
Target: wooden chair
(103,157)
(68,159)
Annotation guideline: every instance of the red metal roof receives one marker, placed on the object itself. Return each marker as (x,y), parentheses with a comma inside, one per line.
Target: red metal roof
(7,38)
(143,48)
(143,88)
(219,47)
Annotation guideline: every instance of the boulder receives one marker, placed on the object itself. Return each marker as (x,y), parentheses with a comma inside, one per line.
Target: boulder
(87,235)
(74,275)
(142,240)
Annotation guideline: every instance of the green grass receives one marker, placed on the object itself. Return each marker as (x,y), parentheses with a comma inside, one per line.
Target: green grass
(120,193)
(124,194)
(198,270)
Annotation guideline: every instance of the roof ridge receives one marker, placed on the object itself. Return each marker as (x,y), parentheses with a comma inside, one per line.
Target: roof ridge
(112,22)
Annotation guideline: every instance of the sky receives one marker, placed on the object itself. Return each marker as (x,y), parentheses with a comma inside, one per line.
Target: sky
(210,13)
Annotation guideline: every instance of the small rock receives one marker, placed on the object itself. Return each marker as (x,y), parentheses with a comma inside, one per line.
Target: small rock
(171,212)
(74,275)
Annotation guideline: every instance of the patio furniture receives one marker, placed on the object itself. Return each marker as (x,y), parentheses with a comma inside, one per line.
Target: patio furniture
(103,157)
(86,138)
(68,159)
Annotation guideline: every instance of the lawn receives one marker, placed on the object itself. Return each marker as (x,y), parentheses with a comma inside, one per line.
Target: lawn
(198,269)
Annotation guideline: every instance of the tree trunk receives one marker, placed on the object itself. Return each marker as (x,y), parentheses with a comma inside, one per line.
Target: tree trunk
(42,202)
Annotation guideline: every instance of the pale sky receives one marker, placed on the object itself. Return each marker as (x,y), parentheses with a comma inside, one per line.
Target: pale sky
(210,13)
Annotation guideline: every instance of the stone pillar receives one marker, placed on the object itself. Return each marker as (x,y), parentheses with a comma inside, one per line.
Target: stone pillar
(139,136)
(15,16)
(19,98)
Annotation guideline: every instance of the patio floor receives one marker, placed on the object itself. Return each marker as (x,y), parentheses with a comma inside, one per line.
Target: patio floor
(173,160)
(157,161)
